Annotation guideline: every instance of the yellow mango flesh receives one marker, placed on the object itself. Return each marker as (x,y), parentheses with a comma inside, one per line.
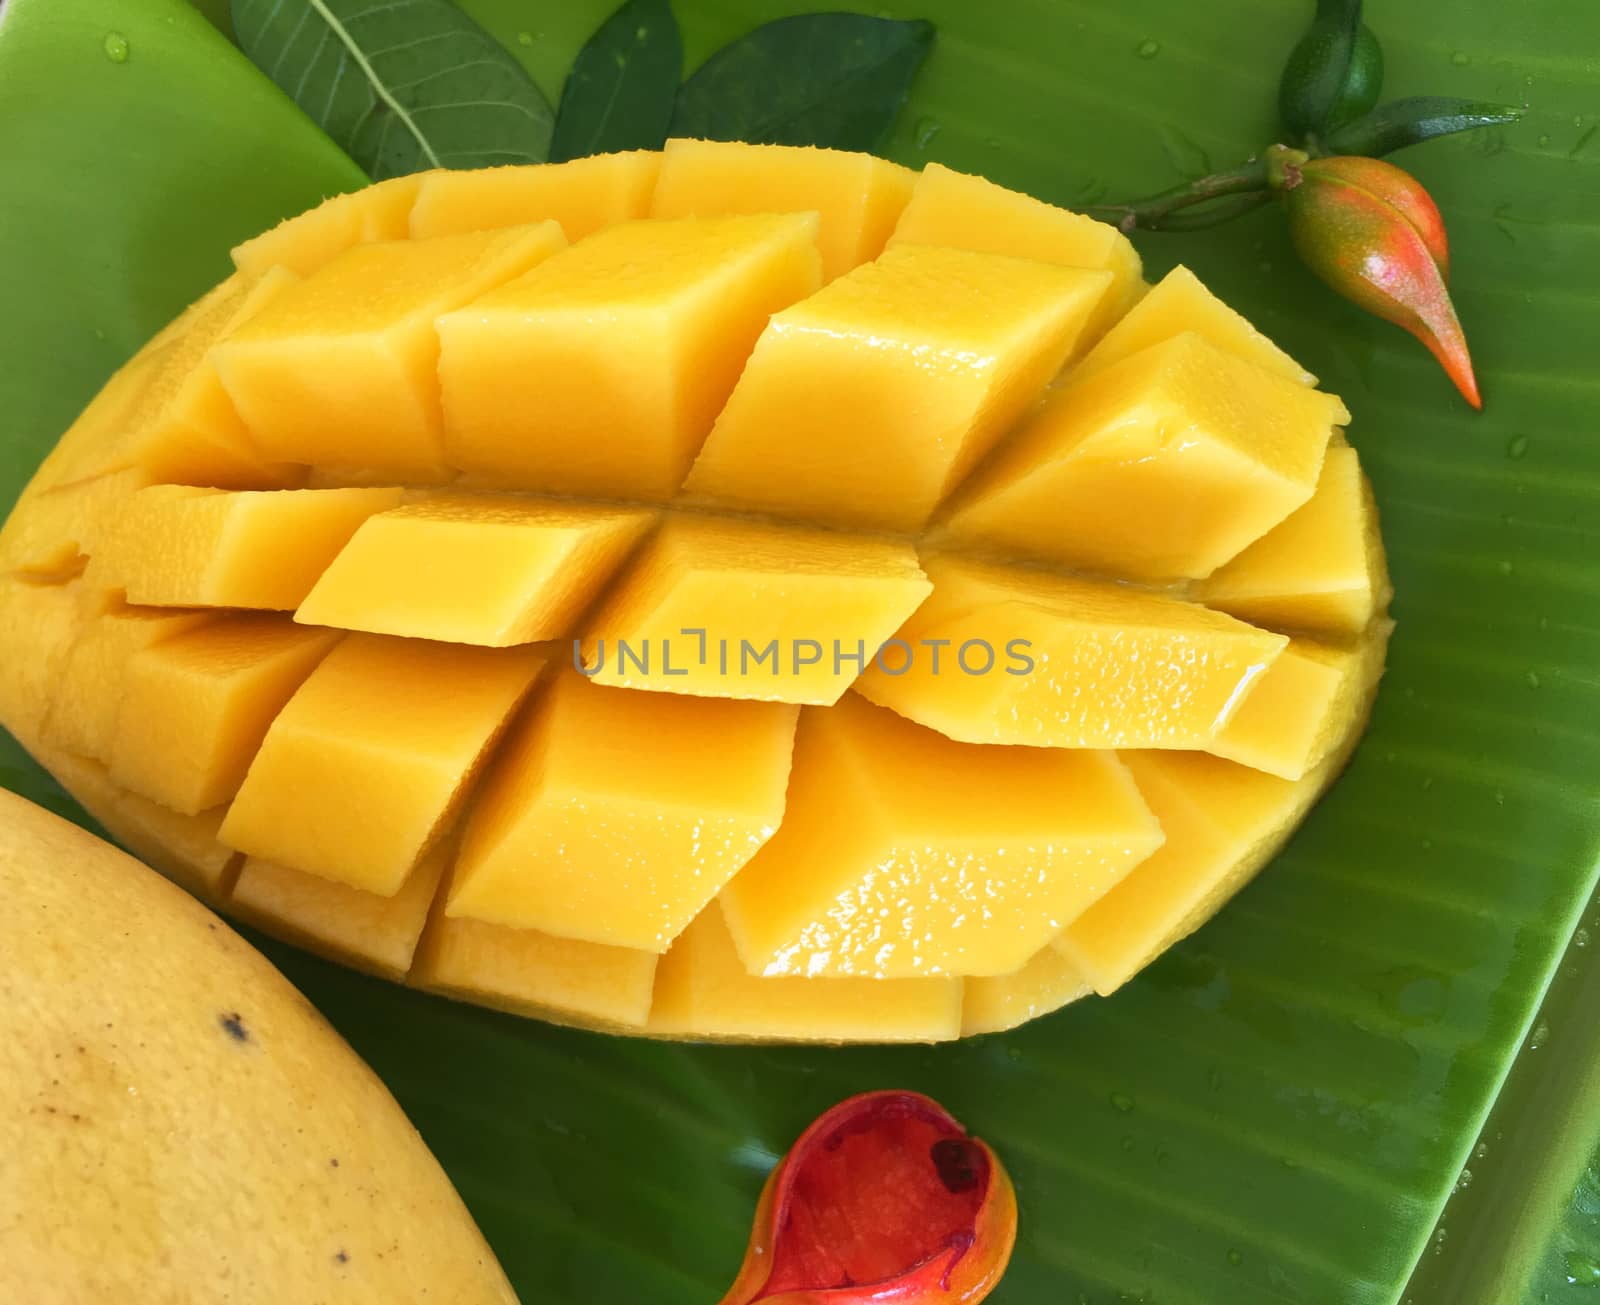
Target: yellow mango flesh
(667,862)
(371,932)
(175,546)
(583,195)
(52,540)
(341,369)
(179,424)
(1321,569)
(959,211)
(904,372)
(493,570)
(531,973)
(858,197)
(83,711)
(1224,822)
(350,787)
(185,427)
(1296,713)
(47,620)
(639,332)
(1177,303)
(903,854)
(736,609)
(608,820)
(1004,655)
(194,708)
(1046,983)
(80,453)
(704,991)
(1215,451)
(184,848)
(311,240)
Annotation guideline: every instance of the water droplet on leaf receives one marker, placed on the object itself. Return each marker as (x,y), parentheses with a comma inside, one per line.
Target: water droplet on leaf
(1582,1270)
(1517,446)
(927,129)
(116,47)
(1148,49)
(1122,1101)
(524,38)
(1234,1257)
(1461,58)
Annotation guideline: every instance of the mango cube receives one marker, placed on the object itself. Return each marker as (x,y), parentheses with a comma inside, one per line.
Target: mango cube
(183,848)
(1300,709)
(195,707)
(493,570)
(1177,303)
(81,452)
(857,196)
(373,933)
(309,241)
(601,371)
(1223,822)
(368,763)
(583,195)
(531,973)
(1163,466)
(737,609)
(177,546)
(1321,569)
(614,816)
(1046,983)
(961,211)
(341,369)
(51,538)
(903,854)
(704,991)
(865,404)
(1006,655)
(84,702)
(47,620)
(180,425)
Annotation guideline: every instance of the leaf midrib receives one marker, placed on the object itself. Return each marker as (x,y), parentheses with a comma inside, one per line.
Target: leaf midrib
(379,89)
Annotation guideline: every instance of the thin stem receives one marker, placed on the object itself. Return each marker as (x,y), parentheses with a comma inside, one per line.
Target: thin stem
(1148,213)
(1211,215)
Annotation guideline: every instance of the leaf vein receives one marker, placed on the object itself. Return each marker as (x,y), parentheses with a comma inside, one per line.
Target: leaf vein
(399,110)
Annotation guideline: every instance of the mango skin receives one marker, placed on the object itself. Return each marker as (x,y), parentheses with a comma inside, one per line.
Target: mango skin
(178,1124)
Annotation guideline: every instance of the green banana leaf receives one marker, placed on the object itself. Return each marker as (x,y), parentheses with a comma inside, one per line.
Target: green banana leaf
(1280,1110)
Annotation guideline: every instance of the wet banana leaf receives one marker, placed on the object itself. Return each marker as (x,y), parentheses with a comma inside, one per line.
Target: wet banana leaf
(1279,1111)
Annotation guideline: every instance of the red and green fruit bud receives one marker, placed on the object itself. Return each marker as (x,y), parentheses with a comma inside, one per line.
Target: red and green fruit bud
(1372,232)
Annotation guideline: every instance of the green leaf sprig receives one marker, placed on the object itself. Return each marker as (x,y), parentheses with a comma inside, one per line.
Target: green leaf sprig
(403,87)
(400,87)
(1367,228)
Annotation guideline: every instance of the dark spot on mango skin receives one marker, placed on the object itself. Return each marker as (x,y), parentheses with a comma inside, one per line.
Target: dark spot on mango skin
(233,1026)
(343,1257)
